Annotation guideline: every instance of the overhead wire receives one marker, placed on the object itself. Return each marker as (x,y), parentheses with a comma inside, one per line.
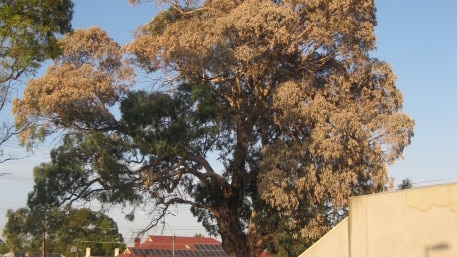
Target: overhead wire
(435,181)
(10,177)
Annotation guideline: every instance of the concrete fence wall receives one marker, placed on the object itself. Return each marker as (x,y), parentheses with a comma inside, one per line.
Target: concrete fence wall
(420,222)
(415,222)
(334,243)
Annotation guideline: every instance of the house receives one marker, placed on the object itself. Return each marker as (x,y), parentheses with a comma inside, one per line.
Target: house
(413,222)
(169,246)
(179,246)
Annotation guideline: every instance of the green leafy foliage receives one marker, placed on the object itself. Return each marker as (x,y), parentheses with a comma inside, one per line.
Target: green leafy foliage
(3,247)
(405,184)
(70,228)
(15,231)
(62,226)
(28,33)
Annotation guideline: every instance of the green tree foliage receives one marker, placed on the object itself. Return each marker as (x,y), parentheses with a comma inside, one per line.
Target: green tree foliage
(405,184)
(15,231)
(46,220)
(269,116)
(29,31)
(71,228)
(86,228)
(3,247)
(44,210)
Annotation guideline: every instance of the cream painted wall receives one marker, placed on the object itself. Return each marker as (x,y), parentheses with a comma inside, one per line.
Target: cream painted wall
(420,222)
(415,222)
(334,243)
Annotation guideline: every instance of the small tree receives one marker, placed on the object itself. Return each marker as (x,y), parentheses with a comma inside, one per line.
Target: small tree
(49,226)
(405,184)
(16,231)
(73,227)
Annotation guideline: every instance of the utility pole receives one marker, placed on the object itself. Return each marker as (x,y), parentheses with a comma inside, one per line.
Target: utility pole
(173,237)
(173,244)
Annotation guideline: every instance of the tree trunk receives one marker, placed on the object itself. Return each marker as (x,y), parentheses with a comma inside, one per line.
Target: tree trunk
(256,238)
(234,239)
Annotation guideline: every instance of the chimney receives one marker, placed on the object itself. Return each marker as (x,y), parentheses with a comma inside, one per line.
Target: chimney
(137,242)
(116,252)
(88,252)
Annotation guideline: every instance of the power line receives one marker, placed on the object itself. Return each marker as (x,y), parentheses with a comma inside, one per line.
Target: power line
(8,176)
(436,180)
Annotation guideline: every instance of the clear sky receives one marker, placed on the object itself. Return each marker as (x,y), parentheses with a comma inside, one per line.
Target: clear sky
(418,38)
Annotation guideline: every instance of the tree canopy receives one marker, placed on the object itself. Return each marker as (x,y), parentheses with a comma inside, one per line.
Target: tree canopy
(71,228)
(49,225)
(29,32)
(405,184)
(267,116)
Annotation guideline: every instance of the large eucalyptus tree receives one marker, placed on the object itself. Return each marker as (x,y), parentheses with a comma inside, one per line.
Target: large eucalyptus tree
(267,117)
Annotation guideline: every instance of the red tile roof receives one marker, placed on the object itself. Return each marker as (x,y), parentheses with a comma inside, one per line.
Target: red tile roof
(162,246)
(181,243)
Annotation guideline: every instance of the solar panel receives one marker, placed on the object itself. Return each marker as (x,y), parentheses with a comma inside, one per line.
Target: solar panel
(191,253)
(198,247)
(221,253)
(183,253)
(201,250)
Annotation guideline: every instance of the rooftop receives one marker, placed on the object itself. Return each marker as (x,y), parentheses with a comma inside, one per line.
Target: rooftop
(168,246)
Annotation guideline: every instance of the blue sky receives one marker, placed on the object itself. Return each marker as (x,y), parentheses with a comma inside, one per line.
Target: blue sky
(418,38)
